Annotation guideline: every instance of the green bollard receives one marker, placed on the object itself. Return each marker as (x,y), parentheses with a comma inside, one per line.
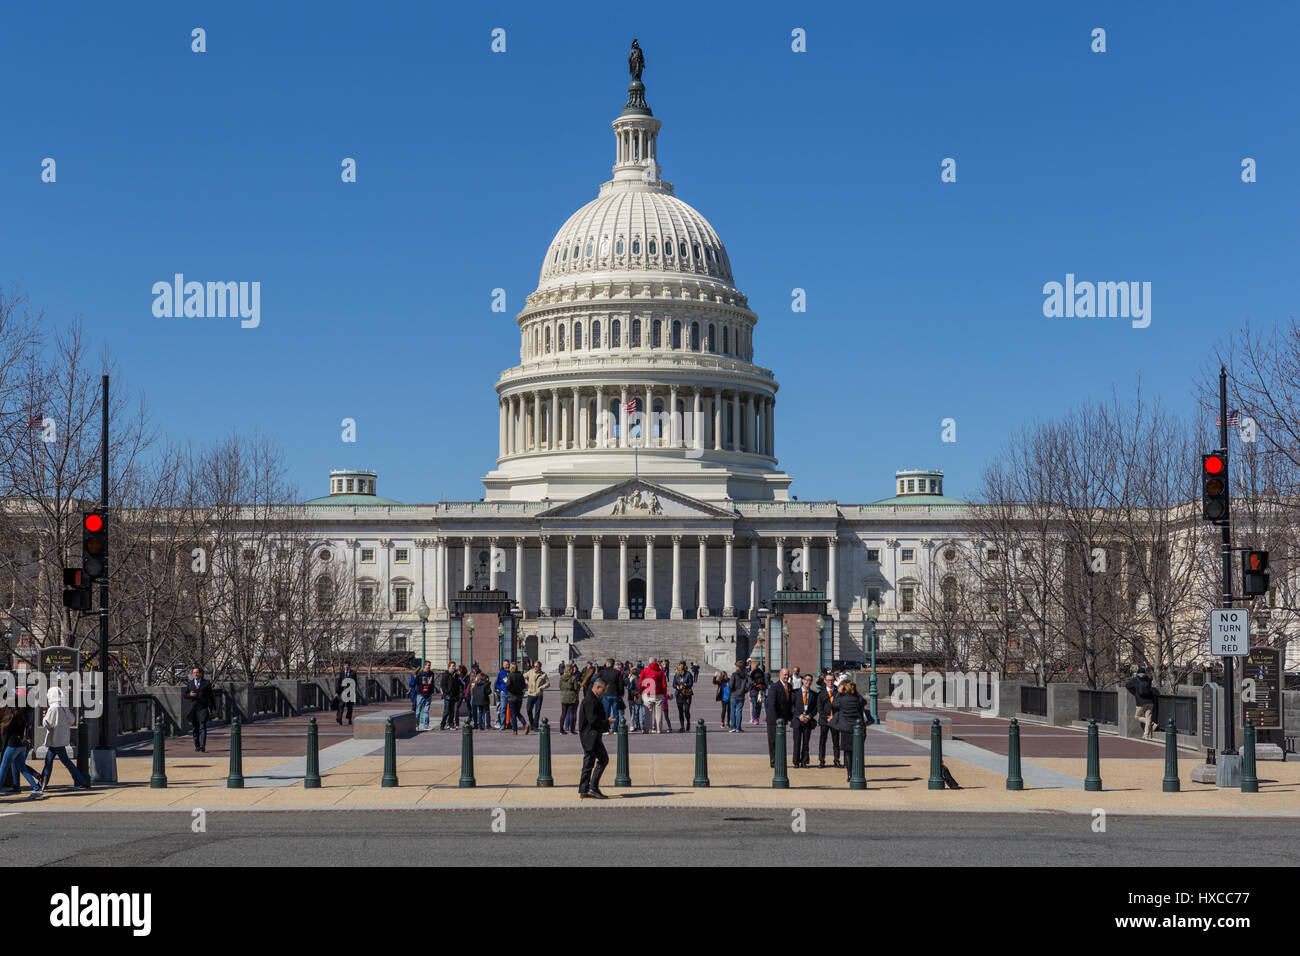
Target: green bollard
(544,778)
(466,755)
(1014,780)
(1249,782)
(621,776)
(779,779)
(857,758)
(1170,783)
(936,756)
(701,755)
(83,751)
(312,780)
(158,780)
(390,755)
(1092,780)
(235,779)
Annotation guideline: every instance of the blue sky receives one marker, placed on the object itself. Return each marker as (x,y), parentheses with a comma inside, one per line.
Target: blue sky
(819,170)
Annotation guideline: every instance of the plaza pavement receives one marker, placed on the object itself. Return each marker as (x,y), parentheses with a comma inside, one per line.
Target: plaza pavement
(662,769)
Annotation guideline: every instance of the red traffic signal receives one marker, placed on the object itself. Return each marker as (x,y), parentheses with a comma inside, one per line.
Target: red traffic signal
(76,589)
(94,546)
(93,522)
(1254,573)
(1214,486)
(1212,464)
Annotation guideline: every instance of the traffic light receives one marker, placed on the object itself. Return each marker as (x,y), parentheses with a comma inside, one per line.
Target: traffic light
(1254,572)
(1214,486)
(94,546)
(76,589)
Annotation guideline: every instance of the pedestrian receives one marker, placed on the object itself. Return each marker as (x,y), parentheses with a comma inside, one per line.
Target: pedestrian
(463,709)
(592,724)
(198,708)
(683,690)
(569,700)
(738,685)
(778,708)
(695,670)
(481,701)
(424,690)
(500,687)
(757,689)
(516,687)
(345,692)
(535,685)
(1144,695)
(847,710)
(804,708)
(723,686)
(450,689)
(58,723)
(413,685)
(636,709)
(825,705)
(14,761)
(652,696)
(612,678)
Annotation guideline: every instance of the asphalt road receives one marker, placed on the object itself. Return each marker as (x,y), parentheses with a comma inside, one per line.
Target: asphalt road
(670,837)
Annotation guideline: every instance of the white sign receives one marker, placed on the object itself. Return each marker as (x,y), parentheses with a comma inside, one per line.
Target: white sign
(1229,632)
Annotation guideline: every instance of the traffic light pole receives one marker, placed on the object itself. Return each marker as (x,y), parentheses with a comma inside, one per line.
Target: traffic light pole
(104,759)
(1228,767)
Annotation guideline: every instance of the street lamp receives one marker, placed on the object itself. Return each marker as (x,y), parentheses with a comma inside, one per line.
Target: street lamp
(501,645)
(873,613)
(423,611)
(821,627)
(785,642)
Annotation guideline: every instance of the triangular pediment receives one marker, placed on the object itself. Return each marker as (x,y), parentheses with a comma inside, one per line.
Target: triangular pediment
(637,499)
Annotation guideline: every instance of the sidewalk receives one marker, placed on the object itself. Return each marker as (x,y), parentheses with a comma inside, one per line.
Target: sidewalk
(894,783)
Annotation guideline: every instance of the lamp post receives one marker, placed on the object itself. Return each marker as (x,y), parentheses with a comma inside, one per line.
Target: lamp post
(785,642)
(501,639)
(821,626)
(873,613)
(423,612)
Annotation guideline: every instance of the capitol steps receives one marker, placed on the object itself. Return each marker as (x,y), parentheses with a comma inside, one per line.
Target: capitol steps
(639,641)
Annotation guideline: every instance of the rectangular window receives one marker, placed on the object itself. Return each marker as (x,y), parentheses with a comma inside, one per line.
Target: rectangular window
(907,598)
(400,599)
(400,643)
(873,596)
(909,643)
(911,484)
(367,555)
(352,484)
(401,555)
(873,555)
(367,598)
(993,554)
(909,555)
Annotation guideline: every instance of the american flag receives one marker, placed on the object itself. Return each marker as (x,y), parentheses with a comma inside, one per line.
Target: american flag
(1234,419)
(632,406)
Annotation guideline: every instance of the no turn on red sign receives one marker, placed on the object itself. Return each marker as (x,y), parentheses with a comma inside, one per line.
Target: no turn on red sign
(1229,632)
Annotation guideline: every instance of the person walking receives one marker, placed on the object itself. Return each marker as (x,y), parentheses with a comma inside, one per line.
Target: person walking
(345,692)
(757,688)
(593,723)
(635,707)
(612,679)
(58,723)
(737,687)
(569,700)
(481,701)
(198,708)
(425,685)
(683,690)
(723,687)
(825,703)
(804,708)
(535,685)
(778,707)
(847,709)
(413,686)
(14,761)
(499,685)
(652,696)
(516,687)
(1144,695)
(450,688)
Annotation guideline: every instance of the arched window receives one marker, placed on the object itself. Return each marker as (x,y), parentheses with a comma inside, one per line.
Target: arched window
(324,595)
(614,418)
(619,247)
(566,254)
(713,337)
(656,334)
(604,245)
(576,250)
(557,256)
(726,340)
(615,333)
(652,247)
(577,336)
(590,248)
(636,247)
(695,336)
(657,420)
(668,249)
(949,588)
(548,340)
(634,337)
(677,334)
(695,250)
(595,334)
(560,339)
(681,248)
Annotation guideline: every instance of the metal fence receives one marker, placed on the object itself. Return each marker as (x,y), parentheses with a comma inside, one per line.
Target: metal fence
(1033,700)
(1184,710)
(1099,705)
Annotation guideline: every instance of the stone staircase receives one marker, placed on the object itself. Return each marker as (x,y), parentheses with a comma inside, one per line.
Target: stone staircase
(639,640)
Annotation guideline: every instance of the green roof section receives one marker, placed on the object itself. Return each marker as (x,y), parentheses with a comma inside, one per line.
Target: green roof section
(353,499)
(919,499)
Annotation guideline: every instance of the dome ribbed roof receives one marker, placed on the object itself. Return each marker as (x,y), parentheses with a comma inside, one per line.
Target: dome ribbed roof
(636,226)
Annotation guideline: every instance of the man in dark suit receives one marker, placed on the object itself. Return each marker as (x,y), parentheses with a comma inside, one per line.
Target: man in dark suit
(825,704)
(198,707)
(803,705)
(778,706)
(451,688)
(346,691)
(592,724)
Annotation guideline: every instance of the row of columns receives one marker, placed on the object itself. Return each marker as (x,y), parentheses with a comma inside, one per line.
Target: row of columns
(569,425)
(441,564)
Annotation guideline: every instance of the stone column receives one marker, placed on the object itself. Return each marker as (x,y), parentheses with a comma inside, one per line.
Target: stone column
(570,589)
(492,563)
(622,418)
(564,423)
(728,605)
(771,428)
(751,424)
(780,563)
(703,609)
(579,433)
(537,421)
(544,604)
(468,544)
(717,420)
(438,576)
(600,416)
(807,563)
(597,610)
(650,613)
(552,431)
(623,612)
(501,437)
(647,417)
(697,421)
(519,574)
(753,575)
(676,612)
(832,549)
(737,441)
(674,424)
